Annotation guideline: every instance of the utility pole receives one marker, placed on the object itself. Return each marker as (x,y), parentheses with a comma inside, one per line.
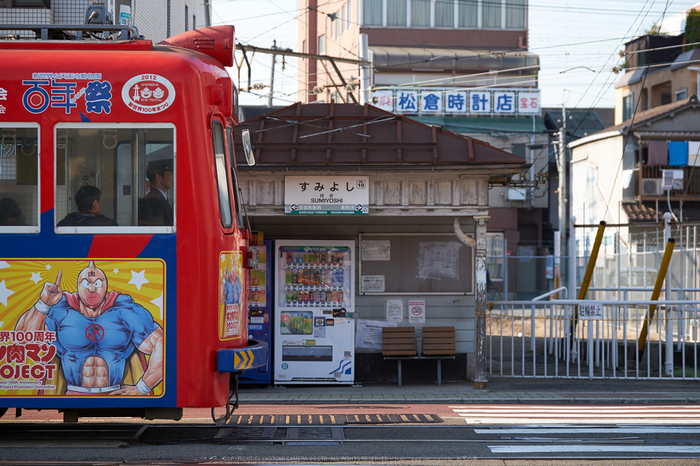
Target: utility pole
(563,189)
(272,74)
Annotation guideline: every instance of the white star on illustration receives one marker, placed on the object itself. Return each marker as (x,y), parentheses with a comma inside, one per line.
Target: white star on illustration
(158,302)
(4,265)
(48,266)
(138,279)
(36,277)
(4,293)
(115,271)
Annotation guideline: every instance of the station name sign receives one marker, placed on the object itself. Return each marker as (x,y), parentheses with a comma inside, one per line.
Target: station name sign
(326,195)
(459,101)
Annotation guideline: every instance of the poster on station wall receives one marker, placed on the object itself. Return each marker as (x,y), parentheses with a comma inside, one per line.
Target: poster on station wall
(82,327)
(416,311)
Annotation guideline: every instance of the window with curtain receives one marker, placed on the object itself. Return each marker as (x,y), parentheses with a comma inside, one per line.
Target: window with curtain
(515,14)
(322,44)
(396,12)
(344,19)
(372,13)
(444,13)
(468,14)
(420,13)
(491,13)
(350,19)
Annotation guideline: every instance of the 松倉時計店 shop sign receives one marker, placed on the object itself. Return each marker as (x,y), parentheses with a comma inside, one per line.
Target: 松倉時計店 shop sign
(329,195)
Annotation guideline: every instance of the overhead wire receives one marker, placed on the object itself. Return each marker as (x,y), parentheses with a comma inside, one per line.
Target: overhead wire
(627,136)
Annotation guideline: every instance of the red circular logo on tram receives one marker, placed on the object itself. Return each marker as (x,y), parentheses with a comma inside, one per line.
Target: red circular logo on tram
(148,93)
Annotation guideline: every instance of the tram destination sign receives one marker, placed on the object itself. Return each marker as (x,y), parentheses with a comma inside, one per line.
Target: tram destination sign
(326,195)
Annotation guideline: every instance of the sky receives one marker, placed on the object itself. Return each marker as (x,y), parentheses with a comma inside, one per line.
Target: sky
(578,43)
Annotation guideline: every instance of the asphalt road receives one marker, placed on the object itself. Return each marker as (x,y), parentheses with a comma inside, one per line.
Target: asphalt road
(456,440)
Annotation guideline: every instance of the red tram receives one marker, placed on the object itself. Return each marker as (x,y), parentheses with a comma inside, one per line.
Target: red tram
(122,250)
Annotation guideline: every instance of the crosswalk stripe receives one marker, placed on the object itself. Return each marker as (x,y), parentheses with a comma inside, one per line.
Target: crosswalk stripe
(575,408)
(594,448)
(562,430)
(520,414)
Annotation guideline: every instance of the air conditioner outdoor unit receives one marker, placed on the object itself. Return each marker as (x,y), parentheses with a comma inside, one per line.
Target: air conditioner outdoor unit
(651,187)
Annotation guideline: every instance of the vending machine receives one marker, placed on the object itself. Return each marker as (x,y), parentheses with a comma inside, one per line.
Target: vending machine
(260,308)
(314,335)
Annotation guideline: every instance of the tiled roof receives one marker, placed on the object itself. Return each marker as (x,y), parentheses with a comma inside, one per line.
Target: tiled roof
(641,213)
(351,135)
(653,113)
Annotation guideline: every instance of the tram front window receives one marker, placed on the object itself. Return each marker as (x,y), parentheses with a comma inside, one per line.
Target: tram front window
(133,166)
(19,187)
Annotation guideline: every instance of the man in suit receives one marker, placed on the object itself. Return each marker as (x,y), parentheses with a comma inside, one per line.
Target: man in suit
(154,208)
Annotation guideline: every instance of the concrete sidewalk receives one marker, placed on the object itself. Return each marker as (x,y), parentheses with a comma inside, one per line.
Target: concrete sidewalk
(500,390)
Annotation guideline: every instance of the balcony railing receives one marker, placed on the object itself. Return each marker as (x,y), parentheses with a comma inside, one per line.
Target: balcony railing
(649,184)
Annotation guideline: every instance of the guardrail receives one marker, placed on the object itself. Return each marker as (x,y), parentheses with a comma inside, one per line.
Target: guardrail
(593,339)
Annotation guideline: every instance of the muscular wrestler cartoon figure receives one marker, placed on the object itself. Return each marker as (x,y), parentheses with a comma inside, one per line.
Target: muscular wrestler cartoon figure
(96,332)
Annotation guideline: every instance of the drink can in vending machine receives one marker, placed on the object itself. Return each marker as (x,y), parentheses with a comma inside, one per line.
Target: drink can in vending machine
(340,278)
(322,297)
(290,258)
(329,278)
(289,298)
(340,297)
(295,298)
(288,278)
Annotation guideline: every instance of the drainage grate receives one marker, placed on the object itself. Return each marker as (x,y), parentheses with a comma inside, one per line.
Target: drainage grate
(246,433)
(331,419)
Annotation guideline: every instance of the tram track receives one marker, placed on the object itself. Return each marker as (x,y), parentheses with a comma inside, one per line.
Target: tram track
(174,443)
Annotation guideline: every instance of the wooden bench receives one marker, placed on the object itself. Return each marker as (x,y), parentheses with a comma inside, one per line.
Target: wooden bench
(399,343)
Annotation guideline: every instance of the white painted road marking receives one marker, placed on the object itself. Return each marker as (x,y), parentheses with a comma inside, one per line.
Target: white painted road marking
(579,414)
(689,449)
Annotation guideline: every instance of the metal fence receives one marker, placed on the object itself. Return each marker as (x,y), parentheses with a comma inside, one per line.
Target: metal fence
(551,339)
(626,266)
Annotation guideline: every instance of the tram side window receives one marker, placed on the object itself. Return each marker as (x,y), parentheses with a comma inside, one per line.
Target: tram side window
(19,179)
(222,177)
(127,174)
(236,190)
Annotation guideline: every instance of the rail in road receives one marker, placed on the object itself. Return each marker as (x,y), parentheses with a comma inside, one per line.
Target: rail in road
(533,431)
(335,443)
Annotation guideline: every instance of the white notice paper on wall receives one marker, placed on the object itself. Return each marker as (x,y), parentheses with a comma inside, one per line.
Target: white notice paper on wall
(369,333)
(373,284)
(416,311)
(394,310)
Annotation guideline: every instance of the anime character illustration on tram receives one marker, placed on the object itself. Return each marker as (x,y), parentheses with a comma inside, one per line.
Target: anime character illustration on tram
(96,331)
(95,341)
